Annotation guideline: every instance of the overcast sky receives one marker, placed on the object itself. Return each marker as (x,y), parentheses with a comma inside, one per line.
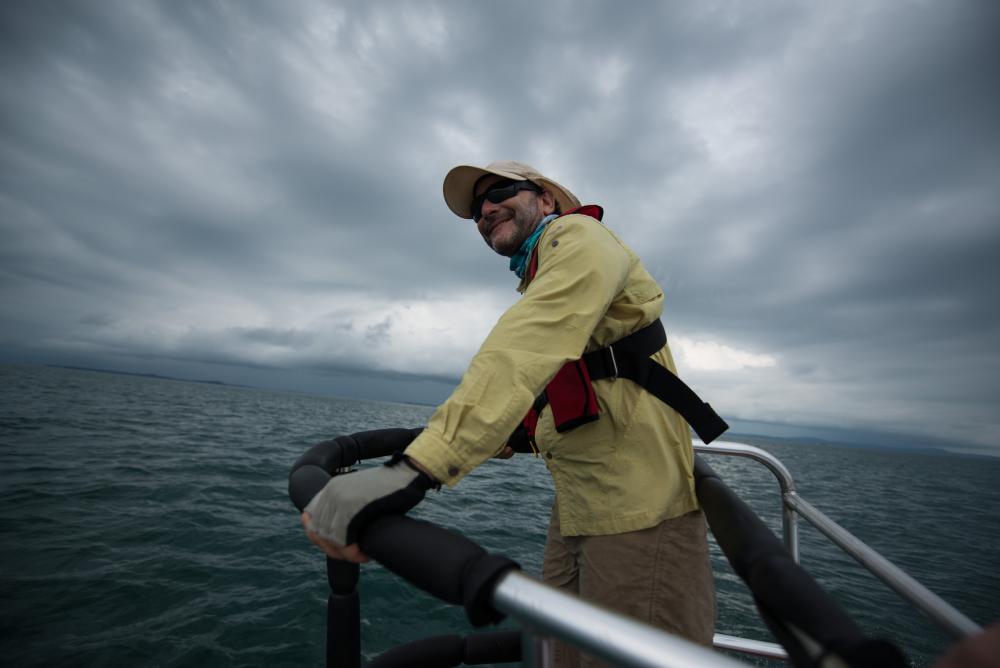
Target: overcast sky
(251,191)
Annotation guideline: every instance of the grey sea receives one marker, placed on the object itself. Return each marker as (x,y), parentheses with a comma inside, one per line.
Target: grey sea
(145,521)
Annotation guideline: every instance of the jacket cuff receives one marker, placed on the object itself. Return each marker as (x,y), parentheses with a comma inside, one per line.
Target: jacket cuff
(438,457)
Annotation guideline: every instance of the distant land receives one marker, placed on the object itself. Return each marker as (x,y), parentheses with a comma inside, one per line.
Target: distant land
(158,376)
(763,441)
(141,375)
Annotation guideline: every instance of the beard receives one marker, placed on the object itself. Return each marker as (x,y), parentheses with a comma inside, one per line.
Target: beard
(508,227)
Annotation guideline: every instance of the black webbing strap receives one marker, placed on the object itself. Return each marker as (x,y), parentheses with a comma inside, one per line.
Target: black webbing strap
(630,358)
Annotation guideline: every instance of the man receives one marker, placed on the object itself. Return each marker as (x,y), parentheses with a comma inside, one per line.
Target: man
(625,531)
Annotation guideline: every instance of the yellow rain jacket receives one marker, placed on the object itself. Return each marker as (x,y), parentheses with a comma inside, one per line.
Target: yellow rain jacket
(630,469)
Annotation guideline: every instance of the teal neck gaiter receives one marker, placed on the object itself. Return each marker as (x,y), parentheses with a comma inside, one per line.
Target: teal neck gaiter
(519,261)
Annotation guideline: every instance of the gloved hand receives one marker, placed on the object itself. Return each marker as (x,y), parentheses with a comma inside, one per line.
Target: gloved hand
(348,502)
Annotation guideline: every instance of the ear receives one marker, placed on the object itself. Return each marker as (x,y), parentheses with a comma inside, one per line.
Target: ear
(548,201)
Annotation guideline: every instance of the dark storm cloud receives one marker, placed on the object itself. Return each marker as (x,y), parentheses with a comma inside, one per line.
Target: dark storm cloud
(883,236)
(257,185)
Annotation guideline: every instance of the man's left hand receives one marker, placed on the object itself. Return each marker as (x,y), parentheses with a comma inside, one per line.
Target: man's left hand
(336,515)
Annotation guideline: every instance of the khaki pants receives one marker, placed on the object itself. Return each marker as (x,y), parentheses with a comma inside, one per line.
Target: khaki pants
(661,575)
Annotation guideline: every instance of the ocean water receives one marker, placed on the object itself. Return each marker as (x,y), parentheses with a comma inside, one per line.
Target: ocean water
(146,521)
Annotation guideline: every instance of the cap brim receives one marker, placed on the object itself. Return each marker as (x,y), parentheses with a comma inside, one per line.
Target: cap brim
(460,181)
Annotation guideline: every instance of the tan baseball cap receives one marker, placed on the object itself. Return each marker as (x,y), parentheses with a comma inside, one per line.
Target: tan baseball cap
(460,181)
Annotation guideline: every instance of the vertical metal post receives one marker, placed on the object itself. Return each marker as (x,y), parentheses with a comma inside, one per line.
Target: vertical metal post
(536,650)
(343,615)
(790,529)
(529,649)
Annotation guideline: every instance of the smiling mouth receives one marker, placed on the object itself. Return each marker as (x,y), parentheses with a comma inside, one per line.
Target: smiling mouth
(494,224)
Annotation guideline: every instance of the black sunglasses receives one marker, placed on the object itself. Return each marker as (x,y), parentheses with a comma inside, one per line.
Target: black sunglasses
(498,192)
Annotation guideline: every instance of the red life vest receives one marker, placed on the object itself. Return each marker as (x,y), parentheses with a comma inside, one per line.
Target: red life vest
(570,393)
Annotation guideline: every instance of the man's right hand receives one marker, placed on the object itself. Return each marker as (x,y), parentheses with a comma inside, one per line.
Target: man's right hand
(505,453)
(335,516)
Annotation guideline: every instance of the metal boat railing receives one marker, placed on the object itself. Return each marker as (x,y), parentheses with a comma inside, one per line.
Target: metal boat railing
(929,603)
(543,613)
(540,610)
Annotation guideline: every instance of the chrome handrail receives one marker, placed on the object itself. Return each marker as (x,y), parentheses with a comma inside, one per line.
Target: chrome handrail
(545,613)
(749,646)
(939,610)
(789,528)
(929,603)
(542,610)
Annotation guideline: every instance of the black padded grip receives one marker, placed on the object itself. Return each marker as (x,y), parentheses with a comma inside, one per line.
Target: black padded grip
(313,469)
(790,601)
(441,562)
(452,650)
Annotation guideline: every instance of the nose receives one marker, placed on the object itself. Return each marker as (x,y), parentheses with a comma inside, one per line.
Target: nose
(488,207)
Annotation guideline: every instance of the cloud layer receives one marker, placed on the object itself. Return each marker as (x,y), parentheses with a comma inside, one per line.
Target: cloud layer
(258,186)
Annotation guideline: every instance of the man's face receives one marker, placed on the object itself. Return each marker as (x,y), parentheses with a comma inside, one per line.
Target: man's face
(506,225)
